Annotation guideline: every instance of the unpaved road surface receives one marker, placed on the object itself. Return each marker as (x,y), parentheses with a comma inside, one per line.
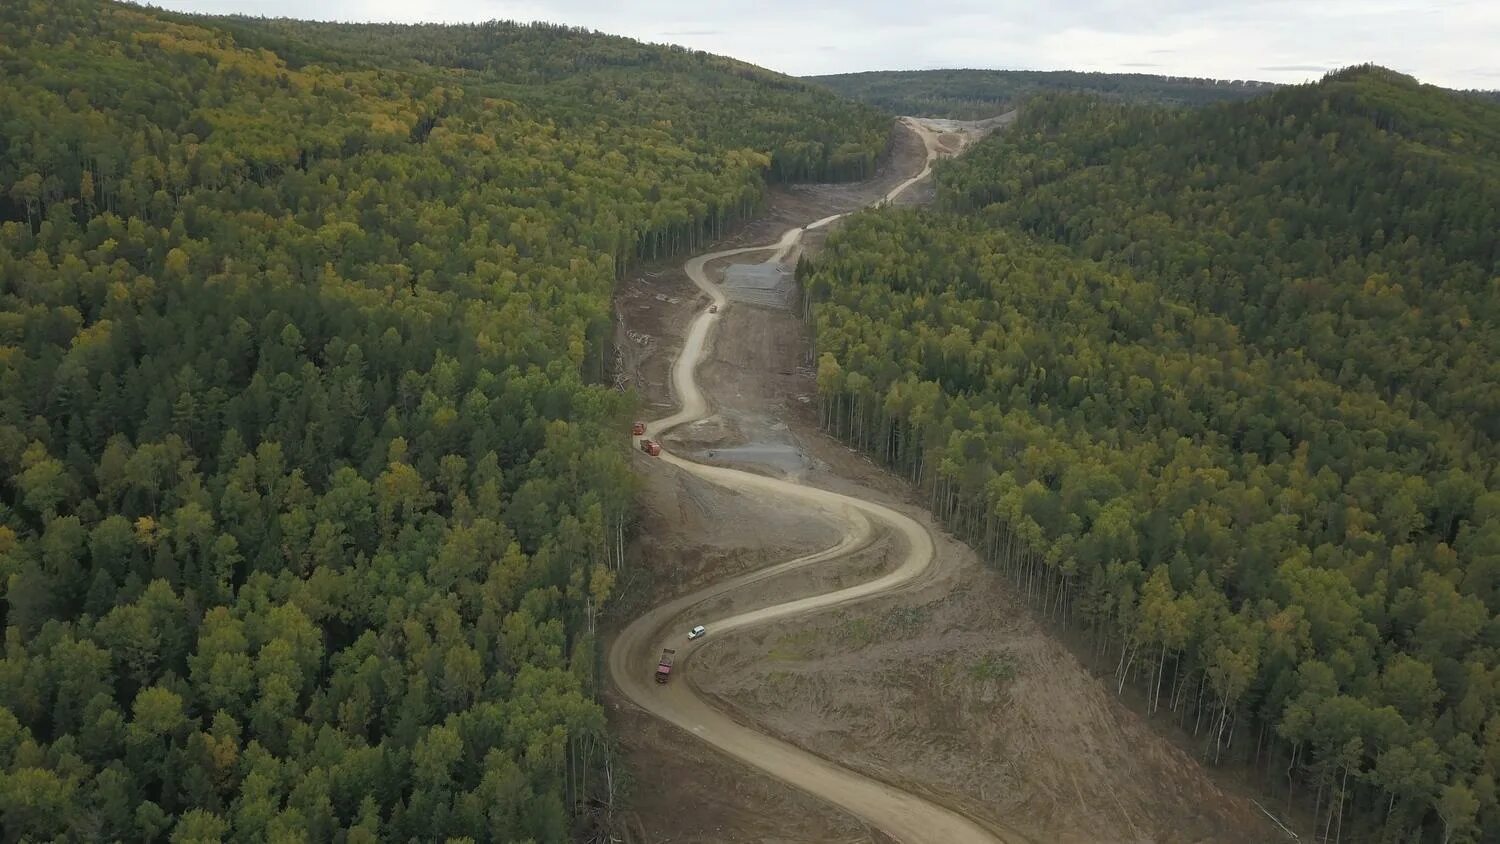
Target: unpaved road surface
(634,653)
(947,688)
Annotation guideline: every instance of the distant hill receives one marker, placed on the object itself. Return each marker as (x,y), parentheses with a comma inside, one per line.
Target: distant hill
(578,76)
(1279,214)
(974,94)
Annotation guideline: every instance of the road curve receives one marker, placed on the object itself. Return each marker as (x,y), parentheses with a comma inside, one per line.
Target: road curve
(633,655)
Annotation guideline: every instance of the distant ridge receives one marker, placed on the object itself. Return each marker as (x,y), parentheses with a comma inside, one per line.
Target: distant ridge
(972,93)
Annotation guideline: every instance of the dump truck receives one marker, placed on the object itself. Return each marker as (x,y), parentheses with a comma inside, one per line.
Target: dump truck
(664,668)
(651,447)
(637,429)
(713,309)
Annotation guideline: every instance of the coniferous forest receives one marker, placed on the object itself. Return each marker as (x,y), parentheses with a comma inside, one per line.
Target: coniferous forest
(310,497)
(976,94)
(1220,388)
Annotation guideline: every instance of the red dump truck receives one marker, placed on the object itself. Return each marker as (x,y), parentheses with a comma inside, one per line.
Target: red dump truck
(651,447)
(638,428)
(664,668)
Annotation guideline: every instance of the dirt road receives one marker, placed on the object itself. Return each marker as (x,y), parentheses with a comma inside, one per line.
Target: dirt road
(633,655)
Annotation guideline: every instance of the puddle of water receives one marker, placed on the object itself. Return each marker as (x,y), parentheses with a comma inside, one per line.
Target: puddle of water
(787,458)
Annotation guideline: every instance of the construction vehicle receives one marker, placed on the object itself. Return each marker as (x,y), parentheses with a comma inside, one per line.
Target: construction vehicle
(713,309)
(637,429)
(651,447)
(664,668)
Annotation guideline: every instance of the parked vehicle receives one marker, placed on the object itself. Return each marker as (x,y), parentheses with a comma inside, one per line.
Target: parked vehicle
(697,632)
(713,309)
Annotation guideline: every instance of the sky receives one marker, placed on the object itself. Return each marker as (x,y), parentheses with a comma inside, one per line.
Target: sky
(1454,43)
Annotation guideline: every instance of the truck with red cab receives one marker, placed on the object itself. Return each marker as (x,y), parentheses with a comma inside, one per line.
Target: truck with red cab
(664,668)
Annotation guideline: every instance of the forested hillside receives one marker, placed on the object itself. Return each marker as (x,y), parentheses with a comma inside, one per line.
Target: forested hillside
(307,503)
(576,77)
(977,94)
(1220,387)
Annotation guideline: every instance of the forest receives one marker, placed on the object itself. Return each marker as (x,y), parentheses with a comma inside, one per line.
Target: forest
(1219,388)
(576,76)
(977,94)
(310,496)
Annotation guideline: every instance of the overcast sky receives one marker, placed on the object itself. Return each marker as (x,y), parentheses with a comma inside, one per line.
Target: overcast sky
(1455,43)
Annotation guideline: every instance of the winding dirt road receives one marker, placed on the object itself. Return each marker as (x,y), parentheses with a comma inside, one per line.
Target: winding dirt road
(633,655)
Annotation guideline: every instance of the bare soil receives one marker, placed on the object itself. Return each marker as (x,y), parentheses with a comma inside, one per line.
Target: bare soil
(796,205)
(953,691)
(678,789)
(692,794)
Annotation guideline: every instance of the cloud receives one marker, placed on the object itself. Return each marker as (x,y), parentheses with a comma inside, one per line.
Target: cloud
(1293,68)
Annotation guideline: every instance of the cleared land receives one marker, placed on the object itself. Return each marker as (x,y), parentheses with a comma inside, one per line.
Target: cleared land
(945,690)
